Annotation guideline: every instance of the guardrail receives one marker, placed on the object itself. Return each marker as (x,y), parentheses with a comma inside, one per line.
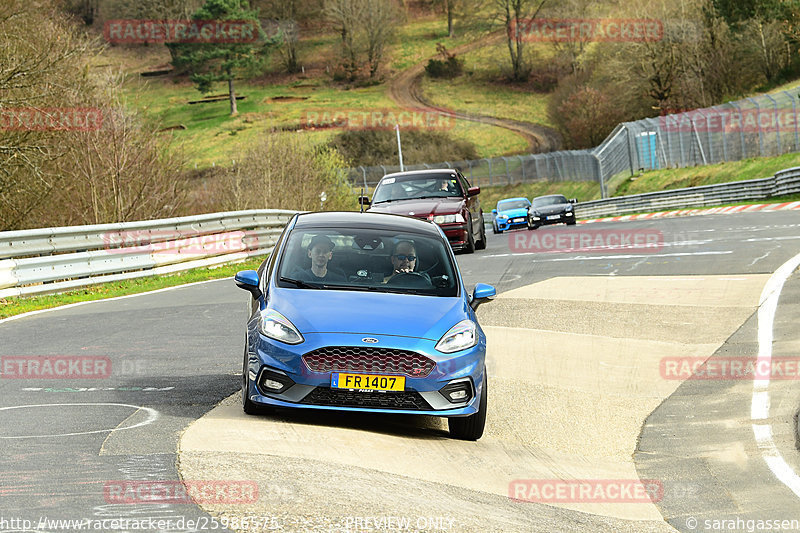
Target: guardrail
(783,183)
(49,260)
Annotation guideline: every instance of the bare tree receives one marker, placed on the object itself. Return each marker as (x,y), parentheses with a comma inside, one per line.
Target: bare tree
(515,16)
(283,171)
(365,27)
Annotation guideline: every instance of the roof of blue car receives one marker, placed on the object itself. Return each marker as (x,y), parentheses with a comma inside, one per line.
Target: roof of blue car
(352,219)
(508,199)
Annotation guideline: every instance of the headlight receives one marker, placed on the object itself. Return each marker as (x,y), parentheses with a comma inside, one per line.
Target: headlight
(276,326)
(448,219)
(460,337)
(502,217)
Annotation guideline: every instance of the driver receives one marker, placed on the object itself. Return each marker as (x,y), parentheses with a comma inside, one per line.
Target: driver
(404,260)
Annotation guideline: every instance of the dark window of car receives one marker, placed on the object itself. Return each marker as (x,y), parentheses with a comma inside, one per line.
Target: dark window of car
(417,186)
(361,260)
(512,204)
(549,200)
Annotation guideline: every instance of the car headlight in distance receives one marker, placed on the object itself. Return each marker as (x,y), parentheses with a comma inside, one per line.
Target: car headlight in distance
(502,217)
(448,219)
(460,337)
(276,326)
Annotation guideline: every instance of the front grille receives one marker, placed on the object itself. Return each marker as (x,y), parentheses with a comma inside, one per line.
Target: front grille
(368,359)
(379,400)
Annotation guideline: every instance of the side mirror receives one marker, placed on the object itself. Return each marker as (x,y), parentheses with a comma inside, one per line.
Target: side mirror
(248,280)
(363,200)
(481,294)
(494,211)
(473,191)
(573,200)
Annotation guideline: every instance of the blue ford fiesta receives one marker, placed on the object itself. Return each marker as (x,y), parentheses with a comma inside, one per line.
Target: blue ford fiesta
(365,312)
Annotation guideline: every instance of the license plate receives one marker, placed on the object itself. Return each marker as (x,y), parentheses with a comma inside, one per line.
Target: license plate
(518,220)
(368,382)
(553,217)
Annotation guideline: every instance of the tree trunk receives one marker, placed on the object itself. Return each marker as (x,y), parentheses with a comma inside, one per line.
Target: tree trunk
(232,97)
(449,5)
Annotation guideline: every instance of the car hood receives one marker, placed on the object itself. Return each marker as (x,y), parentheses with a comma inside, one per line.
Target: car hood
(517,212)
(374,313)
(551,209)
(421,207)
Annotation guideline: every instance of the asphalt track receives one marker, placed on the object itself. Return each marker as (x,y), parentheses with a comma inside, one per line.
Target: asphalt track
(576,339)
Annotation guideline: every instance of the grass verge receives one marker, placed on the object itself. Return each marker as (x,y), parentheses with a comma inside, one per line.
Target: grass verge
(15,306)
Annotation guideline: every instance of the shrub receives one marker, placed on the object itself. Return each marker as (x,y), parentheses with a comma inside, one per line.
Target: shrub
(378,147)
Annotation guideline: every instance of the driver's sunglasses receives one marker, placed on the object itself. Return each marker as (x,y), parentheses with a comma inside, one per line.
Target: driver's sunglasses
(408,258)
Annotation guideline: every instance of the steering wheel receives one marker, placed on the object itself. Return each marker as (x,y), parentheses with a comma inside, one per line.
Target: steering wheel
(410,280)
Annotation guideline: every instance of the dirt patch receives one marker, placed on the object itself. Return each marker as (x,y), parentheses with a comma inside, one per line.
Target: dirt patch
(285,99)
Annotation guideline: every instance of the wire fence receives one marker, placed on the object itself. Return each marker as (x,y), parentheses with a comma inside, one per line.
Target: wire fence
(765,125)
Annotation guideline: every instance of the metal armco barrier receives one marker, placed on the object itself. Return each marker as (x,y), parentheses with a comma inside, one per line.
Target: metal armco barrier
(783,183)
(49,260)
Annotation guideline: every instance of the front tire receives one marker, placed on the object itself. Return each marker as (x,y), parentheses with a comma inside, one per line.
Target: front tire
(481,244)
(248,406)
(470,247)
(471,427)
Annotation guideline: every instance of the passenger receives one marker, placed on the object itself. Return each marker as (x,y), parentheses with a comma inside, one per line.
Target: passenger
(320,251)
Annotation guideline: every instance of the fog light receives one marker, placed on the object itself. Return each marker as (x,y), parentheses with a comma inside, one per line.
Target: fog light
(271,382)
(457,391)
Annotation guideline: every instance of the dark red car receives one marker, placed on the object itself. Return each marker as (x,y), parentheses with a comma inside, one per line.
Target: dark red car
(443,196)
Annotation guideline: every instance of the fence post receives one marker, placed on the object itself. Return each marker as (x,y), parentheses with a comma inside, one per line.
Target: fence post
(775,122)
(794,114)
(364,174)
(522,167)
(758,125)
(724,138)
(629,140)
(699,144)
(491,179)
(508,174)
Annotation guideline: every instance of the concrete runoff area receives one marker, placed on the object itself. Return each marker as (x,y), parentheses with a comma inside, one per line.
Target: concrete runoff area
(564,405)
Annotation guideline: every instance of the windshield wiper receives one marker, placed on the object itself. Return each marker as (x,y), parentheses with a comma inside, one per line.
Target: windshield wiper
(300,284)
(387,201)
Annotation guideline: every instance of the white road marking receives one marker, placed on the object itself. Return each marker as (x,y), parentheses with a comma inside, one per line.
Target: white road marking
(76,304)
(152,416)
(759,407)
(629,256)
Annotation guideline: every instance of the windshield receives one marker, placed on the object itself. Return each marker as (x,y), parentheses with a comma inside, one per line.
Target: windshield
(550,200)
(423,186)
(512,204)
(367,260)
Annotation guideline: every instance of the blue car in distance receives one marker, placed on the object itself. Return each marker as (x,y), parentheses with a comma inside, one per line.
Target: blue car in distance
(510,213)
(365,312)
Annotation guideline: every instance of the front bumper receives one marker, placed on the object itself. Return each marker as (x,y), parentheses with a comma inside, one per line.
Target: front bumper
(309,389)
(557,218)
(457,234)
(511,223)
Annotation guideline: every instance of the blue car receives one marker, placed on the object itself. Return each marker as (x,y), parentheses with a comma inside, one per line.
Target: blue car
(365,312)
(510,213)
